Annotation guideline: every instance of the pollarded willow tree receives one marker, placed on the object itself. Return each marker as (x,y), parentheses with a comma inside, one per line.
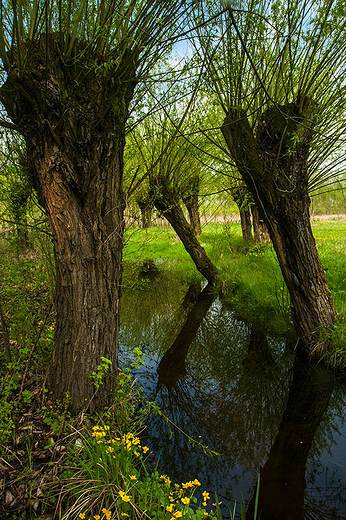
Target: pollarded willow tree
(69,74)
(279,78)
(170,162)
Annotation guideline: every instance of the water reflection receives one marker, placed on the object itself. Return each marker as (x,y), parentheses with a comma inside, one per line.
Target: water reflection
(282,478)
(230,385)
(172,366)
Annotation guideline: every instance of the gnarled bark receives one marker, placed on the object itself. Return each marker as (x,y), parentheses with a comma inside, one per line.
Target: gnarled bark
(274,168)
(74,131)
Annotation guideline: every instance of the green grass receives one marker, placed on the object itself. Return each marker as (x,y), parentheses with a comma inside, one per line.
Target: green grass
(161,245)
(331,244)
(155,242)
(251,277)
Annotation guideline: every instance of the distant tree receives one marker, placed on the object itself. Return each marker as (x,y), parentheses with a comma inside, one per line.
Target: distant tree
(69,74)
(16,186)
(241,198)
(190,195)
(146,206)
(168,161)
(260,230)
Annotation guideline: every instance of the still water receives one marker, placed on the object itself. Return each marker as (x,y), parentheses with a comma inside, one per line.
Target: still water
(241,392)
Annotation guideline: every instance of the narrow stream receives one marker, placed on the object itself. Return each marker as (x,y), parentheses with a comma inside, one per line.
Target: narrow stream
(243,393)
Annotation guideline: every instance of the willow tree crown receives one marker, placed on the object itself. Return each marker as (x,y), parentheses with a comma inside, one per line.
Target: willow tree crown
(277,54)
(112,38)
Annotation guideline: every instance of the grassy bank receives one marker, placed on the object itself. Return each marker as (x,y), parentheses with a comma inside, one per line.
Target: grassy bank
(251,278)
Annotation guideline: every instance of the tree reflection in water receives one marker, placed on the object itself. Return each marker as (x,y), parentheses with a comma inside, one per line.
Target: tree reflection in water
(172,366)
(282,478)
(227,383)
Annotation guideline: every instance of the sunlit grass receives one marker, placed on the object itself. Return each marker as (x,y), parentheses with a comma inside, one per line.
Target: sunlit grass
(251,277)
(331,244)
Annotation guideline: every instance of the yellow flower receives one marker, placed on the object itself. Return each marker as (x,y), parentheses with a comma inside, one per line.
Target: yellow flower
(124,497)
(169,508)
(97,517)
(196,482)
(177,514)
(204,504)
(124,514)
(185,500)
(133,477)
(98,433)
(145,449)
(206,496)
(81,515)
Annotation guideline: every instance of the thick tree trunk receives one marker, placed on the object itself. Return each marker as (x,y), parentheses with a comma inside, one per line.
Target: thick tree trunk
(167,204)
(260,230)
(145,205)
(245,222)
(74,131)
(88,253)
(277,178)
(190,199)
(195,221)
